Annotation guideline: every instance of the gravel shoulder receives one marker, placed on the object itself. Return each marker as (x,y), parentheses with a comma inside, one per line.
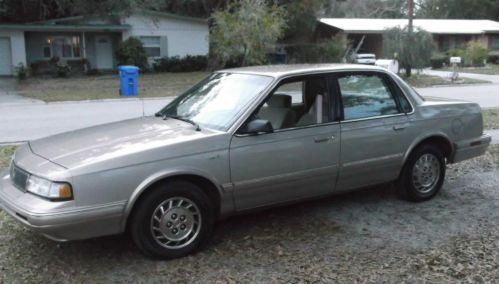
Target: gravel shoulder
(363,236)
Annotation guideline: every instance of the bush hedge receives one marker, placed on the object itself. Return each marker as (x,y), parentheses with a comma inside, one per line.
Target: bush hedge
(438,62)
(188,63)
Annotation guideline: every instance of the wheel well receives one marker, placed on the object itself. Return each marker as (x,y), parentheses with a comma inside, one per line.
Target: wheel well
(441,142)
(208,187)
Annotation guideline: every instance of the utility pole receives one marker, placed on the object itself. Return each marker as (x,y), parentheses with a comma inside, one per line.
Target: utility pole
(411,15)
(408,70)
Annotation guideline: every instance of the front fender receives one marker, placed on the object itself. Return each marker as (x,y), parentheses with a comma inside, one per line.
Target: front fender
(172,173)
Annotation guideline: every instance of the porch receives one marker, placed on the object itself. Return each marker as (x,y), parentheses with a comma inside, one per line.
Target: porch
(80,50)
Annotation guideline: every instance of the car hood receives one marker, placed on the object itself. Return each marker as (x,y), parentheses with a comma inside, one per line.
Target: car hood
(118,139)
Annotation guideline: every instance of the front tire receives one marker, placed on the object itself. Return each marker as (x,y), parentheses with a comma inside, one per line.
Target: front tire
(172,220)
(423,174)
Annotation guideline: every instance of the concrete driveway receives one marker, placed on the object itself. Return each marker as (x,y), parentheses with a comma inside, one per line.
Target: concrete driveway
(8,93)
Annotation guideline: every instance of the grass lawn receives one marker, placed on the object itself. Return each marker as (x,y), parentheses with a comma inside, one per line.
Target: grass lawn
(106,86)
(491,118)
(151,85)
(491,69)
(422,81)
(5,155)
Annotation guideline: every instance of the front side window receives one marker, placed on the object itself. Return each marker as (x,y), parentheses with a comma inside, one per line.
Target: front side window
(218,100)
(297,103)
(152,45)
(366,96)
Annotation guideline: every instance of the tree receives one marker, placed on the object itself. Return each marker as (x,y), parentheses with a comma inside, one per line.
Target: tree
(366,9)
(245,30)
(458,9)
(331,50)
(411,52)
(301,18)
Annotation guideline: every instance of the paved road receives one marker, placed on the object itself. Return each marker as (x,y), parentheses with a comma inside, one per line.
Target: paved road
(487,95)
(27,121)
(24,119)
(446,74)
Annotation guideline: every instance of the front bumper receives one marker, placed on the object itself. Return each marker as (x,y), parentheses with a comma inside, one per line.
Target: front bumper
(60,221)
(471,148)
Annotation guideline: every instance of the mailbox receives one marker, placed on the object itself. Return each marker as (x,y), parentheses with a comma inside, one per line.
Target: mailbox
(455,60)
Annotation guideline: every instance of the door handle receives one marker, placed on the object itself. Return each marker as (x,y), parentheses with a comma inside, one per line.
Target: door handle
(399,127)
(323,139)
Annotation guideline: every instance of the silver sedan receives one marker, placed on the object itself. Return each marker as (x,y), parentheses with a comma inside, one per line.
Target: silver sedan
(242,139)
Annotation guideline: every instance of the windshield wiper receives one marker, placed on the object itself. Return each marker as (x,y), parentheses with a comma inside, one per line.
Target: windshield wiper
(166,116)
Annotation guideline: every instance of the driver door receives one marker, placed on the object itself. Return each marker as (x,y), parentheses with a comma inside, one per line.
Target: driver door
(293,162)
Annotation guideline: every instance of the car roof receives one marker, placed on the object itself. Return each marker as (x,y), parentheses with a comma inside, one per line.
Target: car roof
(296,69)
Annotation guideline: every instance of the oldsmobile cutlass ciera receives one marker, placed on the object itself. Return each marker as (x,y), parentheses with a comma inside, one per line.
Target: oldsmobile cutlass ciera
(241,139)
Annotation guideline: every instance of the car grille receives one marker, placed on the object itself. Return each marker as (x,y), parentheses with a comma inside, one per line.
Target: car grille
(18,176)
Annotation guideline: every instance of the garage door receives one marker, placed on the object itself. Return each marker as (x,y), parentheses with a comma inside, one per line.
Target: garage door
(5,56)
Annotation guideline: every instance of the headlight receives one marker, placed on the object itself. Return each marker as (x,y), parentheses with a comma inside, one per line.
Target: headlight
(49,189)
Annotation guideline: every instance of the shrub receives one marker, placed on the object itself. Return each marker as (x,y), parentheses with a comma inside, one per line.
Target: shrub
(132,52)
(21,71)
(456,52)
(93,72)
(439,61)
(62,70)
(475,54)
(188,63)
(493,59)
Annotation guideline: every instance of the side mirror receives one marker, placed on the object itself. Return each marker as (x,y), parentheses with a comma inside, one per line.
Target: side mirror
(259,126)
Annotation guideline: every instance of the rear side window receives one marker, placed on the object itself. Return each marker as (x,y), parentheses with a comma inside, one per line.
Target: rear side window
(366,95)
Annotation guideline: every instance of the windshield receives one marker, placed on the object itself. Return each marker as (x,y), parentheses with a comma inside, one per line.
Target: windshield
(217,100)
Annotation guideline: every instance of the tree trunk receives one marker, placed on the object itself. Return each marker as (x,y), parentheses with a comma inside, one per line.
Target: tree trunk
(408,71)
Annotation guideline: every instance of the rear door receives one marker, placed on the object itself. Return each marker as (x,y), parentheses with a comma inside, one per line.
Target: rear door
(374,128)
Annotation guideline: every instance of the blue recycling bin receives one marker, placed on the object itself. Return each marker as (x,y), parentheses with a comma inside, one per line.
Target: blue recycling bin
(129,77)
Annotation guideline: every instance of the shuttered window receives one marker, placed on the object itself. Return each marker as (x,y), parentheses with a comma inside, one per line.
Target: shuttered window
(152,45)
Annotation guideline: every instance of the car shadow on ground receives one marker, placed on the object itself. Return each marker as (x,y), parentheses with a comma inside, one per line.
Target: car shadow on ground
(264,224)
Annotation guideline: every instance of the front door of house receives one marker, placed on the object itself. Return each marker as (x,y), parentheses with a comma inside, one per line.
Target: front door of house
(104,52)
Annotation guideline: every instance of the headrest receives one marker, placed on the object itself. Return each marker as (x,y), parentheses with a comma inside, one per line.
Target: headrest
(278,100)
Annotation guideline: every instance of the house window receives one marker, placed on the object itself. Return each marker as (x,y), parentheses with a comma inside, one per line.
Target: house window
(494,43)
(152,45)
(62,47)
(47,53)
(459,42)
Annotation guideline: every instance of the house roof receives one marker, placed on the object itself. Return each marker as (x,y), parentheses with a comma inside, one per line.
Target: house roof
(61,28)
(77,23)
(151,13)
(350,25)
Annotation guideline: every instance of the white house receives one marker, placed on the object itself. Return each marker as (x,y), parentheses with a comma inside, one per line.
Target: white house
(96,38)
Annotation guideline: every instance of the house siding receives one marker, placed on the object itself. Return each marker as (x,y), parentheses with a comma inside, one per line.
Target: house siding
(17,47)
(183,37)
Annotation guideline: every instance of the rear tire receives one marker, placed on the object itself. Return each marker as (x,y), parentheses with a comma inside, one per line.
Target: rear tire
(423,174)
(172,220)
